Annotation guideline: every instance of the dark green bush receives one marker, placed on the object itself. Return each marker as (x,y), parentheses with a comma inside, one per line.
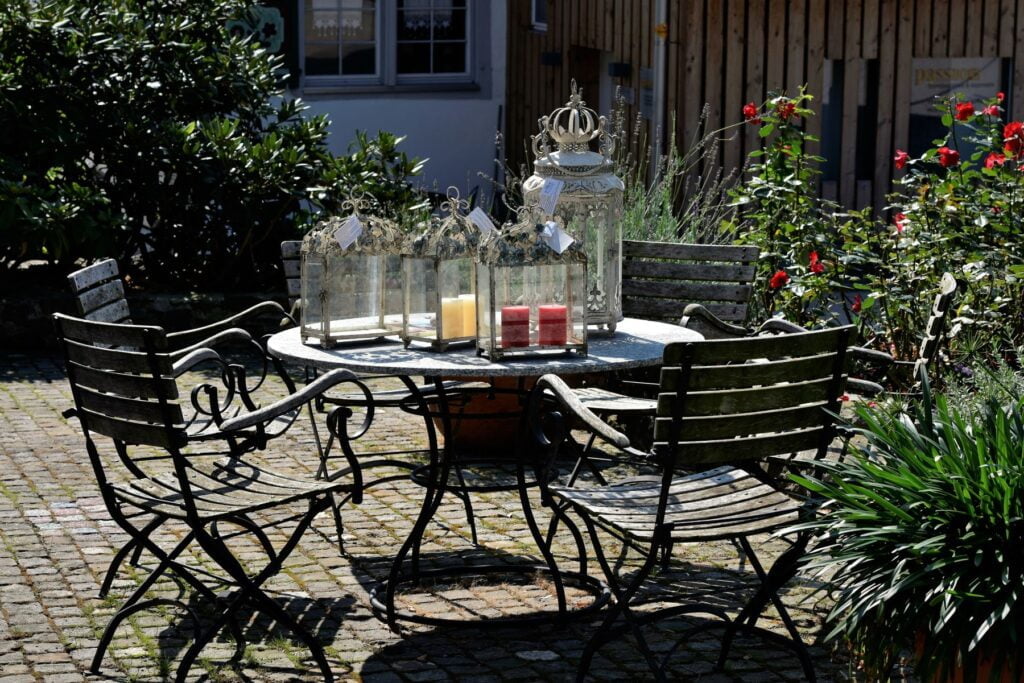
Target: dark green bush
(139,127)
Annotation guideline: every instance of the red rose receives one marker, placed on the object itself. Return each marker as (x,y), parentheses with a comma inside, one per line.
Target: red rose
(785,109)
(901,158)
(1013,138)
(815,263)
(1000,96)
(964,110)
(900,220)
(779,279)
(844,398)
(856,303)
(750,113)
(991,110)
(994,159)
(948,157)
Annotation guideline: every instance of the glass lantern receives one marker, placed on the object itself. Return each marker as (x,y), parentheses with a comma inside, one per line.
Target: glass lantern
(351,279)
(588,201)
(531,299)
(439,269)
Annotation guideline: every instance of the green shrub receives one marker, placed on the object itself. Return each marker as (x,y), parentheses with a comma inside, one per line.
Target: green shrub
(140,128)
(921,537)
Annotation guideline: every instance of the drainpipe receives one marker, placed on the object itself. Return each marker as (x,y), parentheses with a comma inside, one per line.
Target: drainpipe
(660,76)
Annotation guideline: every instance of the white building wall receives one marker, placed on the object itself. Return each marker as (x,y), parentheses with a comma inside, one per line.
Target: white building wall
(454,130)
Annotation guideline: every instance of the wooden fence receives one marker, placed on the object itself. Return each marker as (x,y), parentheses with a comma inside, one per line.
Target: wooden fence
(728,52)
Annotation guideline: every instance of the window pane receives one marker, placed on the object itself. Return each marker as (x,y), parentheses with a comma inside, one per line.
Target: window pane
(321,59)
(358,58)
(413,25)
(449,58)
(321,25)
(450,25)
(414,58)
(357,26)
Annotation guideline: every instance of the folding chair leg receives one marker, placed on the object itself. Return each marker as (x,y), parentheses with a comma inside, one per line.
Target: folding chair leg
(775,578)
(128,547)
(620,608)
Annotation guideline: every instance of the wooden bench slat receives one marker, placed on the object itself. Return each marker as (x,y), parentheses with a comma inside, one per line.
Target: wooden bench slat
(98,297)
(90,276)
(113,334)
(772,346)
(704,378)
(112,405)
(117,360)
(138,386)
(666,309)
(291,269)
(290,249)
(764,422)
(737,450)
(116,312)
(132,432)
(691,292)
(747,400)
(634,268)
(690,252)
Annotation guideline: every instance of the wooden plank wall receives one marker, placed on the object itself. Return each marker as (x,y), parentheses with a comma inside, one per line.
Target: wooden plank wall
(728,52)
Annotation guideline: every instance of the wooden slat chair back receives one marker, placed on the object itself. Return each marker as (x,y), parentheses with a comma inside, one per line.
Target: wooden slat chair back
(727,401)
(291,263)
(121,378)
(99,293)
(659,279)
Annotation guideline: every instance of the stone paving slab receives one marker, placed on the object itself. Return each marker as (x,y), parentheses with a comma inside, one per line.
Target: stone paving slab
(56,541)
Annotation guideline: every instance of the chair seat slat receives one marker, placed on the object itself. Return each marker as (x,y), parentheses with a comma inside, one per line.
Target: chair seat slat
(744,448)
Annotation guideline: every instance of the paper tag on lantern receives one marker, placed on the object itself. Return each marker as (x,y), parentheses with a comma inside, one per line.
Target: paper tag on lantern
(549,192)
(349,231)
(480,219)
(555,237)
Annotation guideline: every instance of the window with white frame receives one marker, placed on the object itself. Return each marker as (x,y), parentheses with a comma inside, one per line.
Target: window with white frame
(386,42)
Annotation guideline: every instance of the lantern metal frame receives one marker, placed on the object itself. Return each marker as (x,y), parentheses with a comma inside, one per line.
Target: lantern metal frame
(445,240)
(521,246)
(380,238)
(590,203)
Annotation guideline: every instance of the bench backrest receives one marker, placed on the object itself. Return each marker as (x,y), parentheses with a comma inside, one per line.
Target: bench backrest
(659,279)
(291,263)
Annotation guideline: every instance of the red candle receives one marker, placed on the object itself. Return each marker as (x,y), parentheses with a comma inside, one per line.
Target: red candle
(515,326)
(551,329)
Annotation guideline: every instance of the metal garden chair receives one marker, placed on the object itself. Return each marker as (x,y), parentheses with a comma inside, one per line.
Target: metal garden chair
(734,410)
(99,295)
(122,380)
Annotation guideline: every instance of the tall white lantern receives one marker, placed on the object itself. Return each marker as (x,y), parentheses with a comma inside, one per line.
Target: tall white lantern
(576,185)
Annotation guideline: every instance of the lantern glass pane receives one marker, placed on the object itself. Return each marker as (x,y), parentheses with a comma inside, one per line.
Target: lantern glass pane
(391,314)
(312,286)
(354,283)
(458,301)
(421,298)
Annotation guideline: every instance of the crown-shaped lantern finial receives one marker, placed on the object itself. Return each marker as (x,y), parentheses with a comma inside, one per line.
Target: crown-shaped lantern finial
(572,127)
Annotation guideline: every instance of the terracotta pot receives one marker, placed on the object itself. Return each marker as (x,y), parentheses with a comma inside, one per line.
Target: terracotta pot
(983,673)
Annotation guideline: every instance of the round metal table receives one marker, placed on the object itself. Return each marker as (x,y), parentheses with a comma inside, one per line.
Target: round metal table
(635,344)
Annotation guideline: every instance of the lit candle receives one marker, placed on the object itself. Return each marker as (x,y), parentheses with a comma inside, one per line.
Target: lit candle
(515,326)
(551,329)
(451,317)
(468,314)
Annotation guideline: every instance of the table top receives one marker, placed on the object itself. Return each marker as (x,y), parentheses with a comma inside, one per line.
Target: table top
(635,344)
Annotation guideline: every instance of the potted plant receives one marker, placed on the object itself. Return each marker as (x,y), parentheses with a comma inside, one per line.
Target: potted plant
(921,537)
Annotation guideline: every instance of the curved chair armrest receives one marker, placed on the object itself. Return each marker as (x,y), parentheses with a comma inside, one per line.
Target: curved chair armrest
(699,319)
(871,356)
(864,387)
(194,335)
(194,358)
(290,402)
(571,404)
(234,334)
(780,325)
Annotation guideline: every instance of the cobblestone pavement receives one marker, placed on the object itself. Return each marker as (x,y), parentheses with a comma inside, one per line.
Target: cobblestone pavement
(56,541)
